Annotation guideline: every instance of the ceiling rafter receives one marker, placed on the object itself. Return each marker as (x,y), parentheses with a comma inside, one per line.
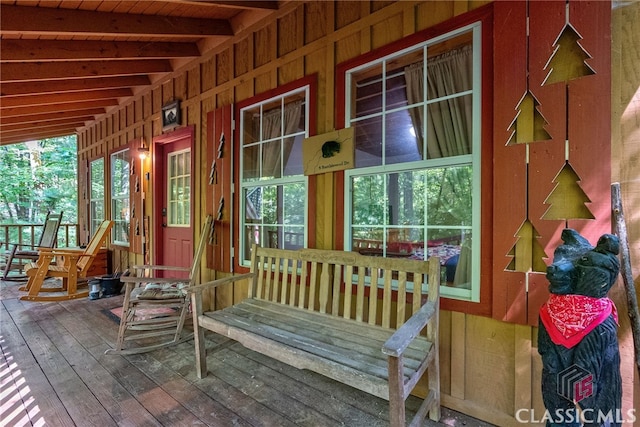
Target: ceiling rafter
(60,86)
(51,108)
(66,64)
(23,20)
(48,117)
(61,98)
(238,4)
(44,124)
(15,72)
(21,50)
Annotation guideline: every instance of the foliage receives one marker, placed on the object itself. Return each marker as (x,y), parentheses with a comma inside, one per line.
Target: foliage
(439,197)
(37,177)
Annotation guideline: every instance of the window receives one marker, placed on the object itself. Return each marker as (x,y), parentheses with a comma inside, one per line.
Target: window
(179,189)
(120,209)
(96,195)
(272,184)
(415,190)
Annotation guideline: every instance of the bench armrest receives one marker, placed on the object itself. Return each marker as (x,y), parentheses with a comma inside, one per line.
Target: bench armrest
(160,267)
(400,340)
(135,279)
(214,283)
(66,250)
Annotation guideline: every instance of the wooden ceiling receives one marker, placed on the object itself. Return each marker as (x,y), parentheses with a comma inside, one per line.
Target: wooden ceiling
(63,64)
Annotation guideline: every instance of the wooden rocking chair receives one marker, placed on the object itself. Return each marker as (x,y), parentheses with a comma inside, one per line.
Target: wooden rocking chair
(19,255)
(166,296)
(71,264)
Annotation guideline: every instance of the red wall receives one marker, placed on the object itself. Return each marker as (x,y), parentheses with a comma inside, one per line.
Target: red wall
(518,194)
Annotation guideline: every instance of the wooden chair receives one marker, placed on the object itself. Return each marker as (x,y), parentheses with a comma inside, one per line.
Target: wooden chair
(167,297)
(70,265)
(19,256)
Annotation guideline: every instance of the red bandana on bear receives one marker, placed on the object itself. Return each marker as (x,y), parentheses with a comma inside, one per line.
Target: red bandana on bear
(569,318)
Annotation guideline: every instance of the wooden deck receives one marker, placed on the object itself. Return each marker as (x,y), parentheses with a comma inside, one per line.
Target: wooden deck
(54,373)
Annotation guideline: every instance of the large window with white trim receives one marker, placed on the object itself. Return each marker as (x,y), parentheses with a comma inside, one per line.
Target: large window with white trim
(273,188)
(415,190)
(120,209)
(96,195)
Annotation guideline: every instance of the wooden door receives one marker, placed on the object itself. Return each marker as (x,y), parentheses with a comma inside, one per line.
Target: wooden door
(174,199)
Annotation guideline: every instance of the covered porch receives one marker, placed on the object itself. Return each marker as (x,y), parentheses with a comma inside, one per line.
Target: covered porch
(53,352)
(55,372)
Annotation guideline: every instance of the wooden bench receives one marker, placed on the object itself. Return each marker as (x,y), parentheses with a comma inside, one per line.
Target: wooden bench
(310,309)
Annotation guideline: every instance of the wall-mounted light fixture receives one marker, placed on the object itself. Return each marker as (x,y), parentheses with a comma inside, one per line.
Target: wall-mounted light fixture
(143,151)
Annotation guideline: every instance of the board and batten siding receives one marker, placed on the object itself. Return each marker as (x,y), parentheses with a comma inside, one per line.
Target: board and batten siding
(490,367)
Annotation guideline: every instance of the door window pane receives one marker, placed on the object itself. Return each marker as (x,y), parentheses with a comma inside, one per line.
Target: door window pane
(179,191)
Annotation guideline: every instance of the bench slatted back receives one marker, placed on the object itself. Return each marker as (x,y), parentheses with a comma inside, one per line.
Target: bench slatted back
(338,283)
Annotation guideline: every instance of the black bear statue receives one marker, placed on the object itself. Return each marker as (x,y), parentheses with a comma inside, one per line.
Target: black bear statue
(577,336)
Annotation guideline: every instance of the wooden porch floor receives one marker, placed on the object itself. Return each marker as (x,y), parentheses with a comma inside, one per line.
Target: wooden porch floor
(54,372)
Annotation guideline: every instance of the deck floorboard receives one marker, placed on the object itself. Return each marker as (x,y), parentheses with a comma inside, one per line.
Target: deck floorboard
(54,372)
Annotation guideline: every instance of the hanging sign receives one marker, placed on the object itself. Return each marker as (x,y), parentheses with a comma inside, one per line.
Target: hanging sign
(329,152)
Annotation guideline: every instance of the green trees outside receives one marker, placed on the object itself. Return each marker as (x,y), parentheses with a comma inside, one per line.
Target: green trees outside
(36,177)
(441,198)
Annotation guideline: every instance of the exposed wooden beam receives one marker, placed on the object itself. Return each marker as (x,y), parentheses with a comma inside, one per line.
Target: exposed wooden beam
(41,125)
(31,130)
(237,4)
(70,106)
(14,71)
(20,50)
(57,86)
(34,135)
(42,20)
(19,129)
(61,98)
(50,116)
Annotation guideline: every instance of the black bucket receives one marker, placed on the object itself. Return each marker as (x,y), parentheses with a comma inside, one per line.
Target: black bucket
(110,286)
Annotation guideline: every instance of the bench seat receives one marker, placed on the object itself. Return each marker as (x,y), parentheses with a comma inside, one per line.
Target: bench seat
(342,349)
(312,309)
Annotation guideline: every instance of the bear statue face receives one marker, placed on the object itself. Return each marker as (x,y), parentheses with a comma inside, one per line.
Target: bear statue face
(561,276)
(579,268)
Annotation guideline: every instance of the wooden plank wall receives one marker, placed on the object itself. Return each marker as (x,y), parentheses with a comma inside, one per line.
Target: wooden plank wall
(490,369)
(625,153)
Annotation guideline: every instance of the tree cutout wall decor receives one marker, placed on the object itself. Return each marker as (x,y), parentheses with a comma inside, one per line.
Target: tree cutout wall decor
(528,126)
(567,200)
(568,60)
(527,254)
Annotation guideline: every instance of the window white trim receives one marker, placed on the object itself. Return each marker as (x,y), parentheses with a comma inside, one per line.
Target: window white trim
(184,205)
(473,159)
(96,197)
(262,182)
(124,199)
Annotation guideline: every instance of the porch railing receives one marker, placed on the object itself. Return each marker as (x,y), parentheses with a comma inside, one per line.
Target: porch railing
(29,234)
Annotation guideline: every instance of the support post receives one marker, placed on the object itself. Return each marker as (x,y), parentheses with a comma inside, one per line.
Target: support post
(620,229)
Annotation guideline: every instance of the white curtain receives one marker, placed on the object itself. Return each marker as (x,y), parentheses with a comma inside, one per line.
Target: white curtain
(448,124)
(272,128)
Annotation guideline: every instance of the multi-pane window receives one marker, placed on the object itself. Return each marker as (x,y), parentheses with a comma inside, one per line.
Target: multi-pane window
(273,187)
(414,192)
(96,194)
(120,209)
(179,191)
